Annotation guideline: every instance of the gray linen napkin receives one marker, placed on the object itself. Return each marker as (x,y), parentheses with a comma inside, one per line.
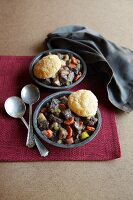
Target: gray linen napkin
(113,63)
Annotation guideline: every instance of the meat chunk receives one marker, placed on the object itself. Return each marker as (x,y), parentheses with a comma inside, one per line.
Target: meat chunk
(62,133)
(47,81)
(66,113)
(44,125)
(54,104)
(63,78)
(56,81)
(71,76)
(53,118)
(76,127)
(91,121)
(64,100)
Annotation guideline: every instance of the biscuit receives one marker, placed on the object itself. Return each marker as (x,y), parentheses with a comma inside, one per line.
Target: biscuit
(83,103)
(47,67)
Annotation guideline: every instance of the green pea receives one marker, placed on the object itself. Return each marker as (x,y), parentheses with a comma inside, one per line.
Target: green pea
(78,66)
(68,82)
(56,110)
(56,127)
(84,135)
(59,141)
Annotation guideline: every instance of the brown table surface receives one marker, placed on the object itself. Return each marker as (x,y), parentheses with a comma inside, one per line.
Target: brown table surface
(23,27)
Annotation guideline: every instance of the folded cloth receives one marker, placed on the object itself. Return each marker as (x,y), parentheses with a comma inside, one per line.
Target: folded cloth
(113,63)
(14,75)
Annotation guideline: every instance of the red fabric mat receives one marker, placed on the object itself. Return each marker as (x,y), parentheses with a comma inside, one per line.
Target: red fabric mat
(13,76)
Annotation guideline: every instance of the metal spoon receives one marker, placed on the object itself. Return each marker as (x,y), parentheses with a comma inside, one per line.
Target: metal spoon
(16,108)
(30,95)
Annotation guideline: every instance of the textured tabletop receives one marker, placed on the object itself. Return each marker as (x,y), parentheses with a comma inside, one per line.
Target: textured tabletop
(24,25)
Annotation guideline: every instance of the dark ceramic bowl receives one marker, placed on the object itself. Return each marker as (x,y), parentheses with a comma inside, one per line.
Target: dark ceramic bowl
(43,103)
(55,51)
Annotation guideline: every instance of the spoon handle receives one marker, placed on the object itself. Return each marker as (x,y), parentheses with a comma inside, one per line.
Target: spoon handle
(25,123)
(41,148)
(30,137)
(43,151)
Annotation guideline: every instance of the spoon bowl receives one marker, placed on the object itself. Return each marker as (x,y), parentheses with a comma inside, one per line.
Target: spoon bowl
(30,94)
(15,107)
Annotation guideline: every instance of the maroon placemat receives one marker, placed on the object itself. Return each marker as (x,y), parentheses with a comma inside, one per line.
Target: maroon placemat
(13,76)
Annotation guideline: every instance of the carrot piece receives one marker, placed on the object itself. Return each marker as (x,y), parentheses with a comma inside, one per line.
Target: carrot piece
(62,106)
(71,66)
(48,133)
(69,130)
(90,128)
(69,121)
(74,60)
(43,110)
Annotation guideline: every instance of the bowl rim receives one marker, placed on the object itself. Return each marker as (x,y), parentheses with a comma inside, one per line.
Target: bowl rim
(41,54)
(38,131)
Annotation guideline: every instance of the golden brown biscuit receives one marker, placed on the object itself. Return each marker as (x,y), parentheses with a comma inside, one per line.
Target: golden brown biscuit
(47,67)
(83,103)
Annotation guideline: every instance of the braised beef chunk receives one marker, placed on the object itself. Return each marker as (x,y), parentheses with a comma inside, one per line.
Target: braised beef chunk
(56,119)
(76,119)
(56,81)
(64,71)
(64,100)
(66,127)
(50,118)
(62,133)
(44,125)
(63,78)
(66,113)
(71,76)
(54,104)
(47,81)
(91,121)
(94,119)
(76,127)
(76,70)
(77,139)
